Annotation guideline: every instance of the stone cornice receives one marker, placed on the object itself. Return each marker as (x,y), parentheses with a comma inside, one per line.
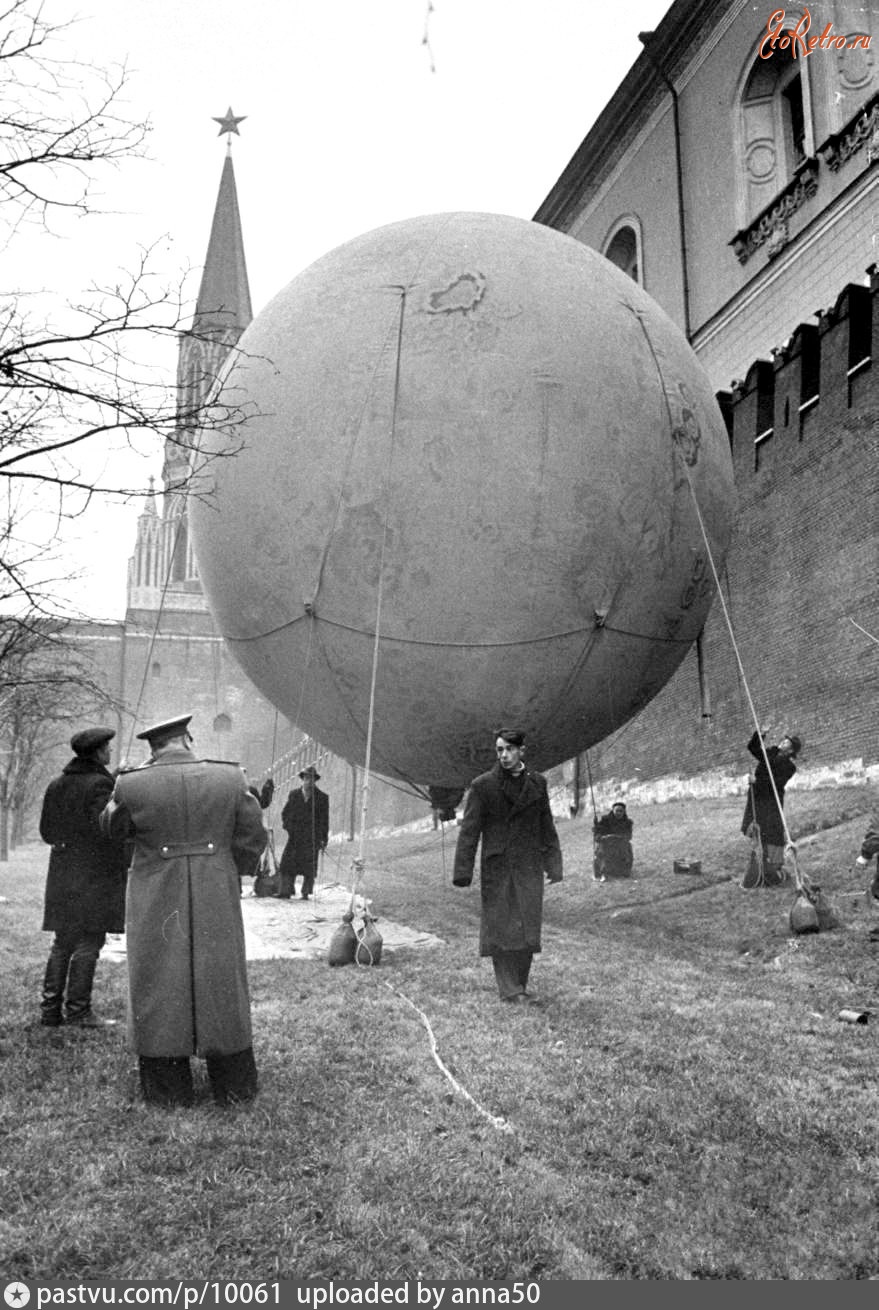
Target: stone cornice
(860,131)
(770,227)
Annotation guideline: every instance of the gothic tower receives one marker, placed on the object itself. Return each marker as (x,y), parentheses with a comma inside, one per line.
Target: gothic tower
(163,559)
(170,654)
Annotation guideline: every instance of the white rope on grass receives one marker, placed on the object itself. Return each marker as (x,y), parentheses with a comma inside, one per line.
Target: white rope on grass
(875,640)
(495,1120)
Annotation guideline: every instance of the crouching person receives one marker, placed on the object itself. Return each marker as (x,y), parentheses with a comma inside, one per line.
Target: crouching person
(195,828)
(612,841)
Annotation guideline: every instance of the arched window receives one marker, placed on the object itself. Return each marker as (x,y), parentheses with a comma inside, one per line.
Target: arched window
(775,128)
(623,248)
(222,723)
(180,547)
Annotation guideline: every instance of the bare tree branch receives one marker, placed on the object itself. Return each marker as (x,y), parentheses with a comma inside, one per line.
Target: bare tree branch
(57,119)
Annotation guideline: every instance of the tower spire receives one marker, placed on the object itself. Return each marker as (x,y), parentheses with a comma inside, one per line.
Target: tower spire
(222,311)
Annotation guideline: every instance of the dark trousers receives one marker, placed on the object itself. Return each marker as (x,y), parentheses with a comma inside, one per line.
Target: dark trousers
(70,973)
(304,869)
(511,969)
(167,1079)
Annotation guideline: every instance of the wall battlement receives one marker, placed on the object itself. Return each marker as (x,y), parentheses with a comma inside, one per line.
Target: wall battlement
(802,570)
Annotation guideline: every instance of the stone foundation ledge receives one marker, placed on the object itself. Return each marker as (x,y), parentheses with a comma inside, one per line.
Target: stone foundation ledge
(712,785)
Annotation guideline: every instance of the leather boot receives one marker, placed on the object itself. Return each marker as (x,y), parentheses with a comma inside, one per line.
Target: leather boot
(166,1080)
(53,986)
(80,976)
(233,1077)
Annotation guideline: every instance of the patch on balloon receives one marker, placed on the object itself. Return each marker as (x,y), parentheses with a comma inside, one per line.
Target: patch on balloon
(686,431)
(459,296)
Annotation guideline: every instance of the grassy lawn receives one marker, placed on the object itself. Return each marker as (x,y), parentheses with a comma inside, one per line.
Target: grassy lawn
(684,1103)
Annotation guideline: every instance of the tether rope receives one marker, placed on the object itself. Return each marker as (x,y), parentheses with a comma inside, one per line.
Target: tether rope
(591,788)
(358,863)
(875,640)
(495,1120)
(465,645)
(756,836)
(799,881)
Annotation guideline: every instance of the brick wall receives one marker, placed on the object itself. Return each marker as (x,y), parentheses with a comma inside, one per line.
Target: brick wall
(804,563)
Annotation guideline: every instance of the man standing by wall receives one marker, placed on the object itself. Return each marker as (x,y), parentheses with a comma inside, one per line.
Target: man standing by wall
(85,887)
(763,821)
(195,827)
(306,820)
(508,808)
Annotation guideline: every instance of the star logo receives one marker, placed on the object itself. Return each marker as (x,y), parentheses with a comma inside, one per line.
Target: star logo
(229,123)
(16,1294)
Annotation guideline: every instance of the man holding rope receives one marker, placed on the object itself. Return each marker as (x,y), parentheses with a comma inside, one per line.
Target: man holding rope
(762,820)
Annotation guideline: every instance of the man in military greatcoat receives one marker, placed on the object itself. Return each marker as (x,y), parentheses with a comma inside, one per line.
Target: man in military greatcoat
(195,828)
(508,808)
(306,820)
(85,886)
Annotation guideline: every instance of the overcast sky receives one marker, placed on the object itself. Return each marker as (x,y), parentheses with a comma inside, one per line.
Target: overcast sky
(351,121)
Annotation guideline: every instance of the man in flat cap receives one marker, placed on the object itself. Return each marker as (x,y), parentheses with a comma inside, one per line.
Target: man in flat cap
(85,886)
(195,828)
(306,820)
(508,808)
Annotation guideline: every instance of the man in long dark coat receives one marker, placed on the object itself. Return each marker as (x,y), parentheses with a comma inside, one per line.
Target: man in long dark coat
(306,820)
(195,827)
(85,886)
(762,820)
(508,808)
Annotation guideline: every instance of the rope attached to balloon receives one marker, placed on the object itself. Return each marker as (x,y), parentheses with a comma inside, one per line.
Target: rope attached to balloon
(800,881)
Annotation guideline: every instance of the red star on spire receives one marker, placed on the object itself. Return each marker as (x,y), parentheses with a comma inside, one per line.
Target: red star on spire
(229,123)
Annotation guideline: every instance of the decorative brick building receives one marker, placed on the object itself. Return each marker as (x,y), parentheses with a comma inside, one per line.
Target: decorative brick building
(801,583)
(740,186)
(737,184)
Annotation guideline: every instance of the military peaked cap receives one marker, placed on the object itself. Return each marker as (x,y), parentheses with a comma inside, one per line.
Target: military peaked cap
(167,728)
(83,743)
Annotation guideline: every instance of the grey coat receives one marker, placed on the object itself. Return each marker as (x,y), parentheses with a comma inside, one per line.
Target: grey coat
(196,827)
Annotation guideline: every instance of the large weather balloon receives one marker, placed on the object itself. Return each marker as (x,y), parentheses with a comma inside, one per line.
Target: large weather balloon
(478,437)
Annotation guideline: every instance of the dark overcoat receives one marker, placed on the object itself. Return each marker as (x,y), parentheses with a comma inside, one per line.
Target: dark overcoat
(196,828)
(870,844)
(613,825)
(519,845)
(761,805)
(85,886)
(307,824)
